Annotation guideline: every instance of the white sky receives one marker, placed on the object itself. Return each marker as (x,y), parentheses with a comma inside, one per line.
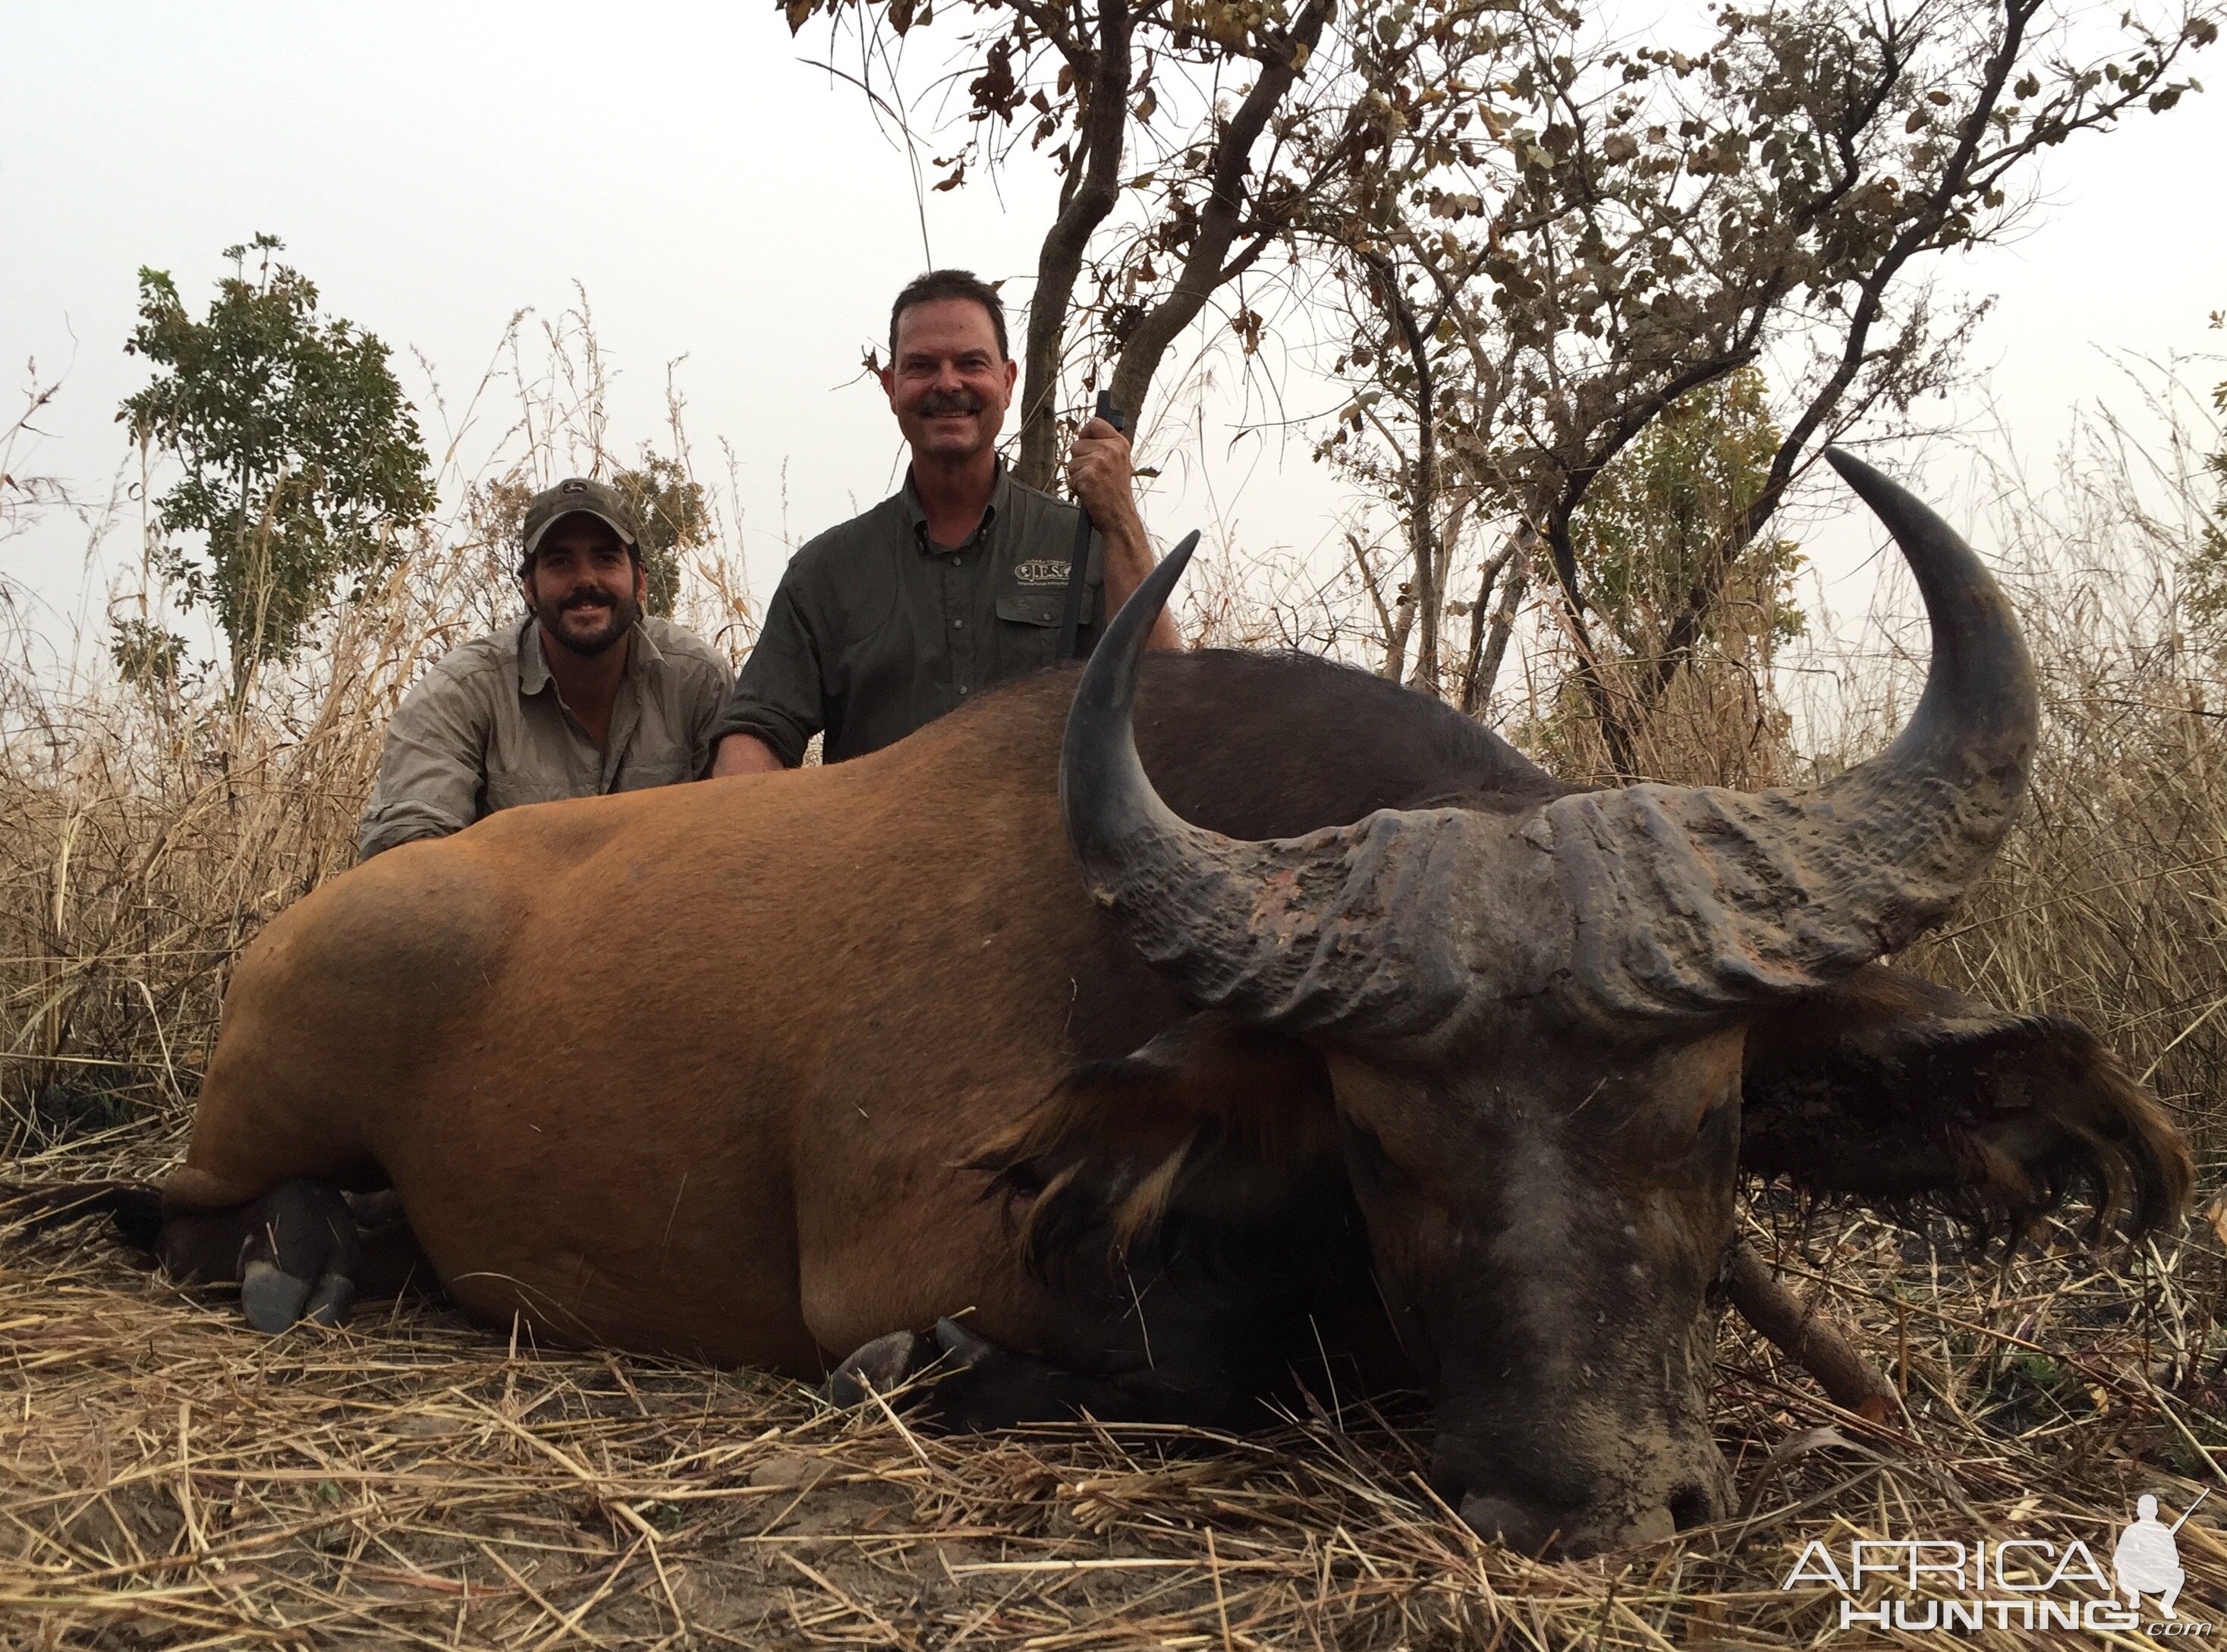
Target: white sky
(434,168)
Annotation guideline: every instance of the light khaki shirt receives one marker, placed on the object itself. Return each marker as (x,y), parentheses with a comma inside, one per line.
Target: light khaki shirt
(486,729)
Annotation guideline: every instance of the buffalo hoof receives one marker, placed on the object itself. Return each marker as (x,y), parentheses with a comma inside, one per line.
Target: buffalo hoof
(271,1300)
(881,1367)
(375,1212)
(979,1385)
(298,1260)
(971,1383)
(275,1301)
(328,1304)
(961,1348)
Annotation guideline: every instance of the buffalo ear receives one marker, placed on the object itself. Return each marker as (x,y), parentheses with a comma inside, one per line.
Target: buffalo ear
(1897,1092)
(1203,1137)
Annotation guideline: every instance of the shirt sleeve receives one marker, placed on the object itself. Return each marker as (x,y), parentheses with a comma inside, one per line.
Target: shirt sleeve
(780,695)
(432,769)
(708,690)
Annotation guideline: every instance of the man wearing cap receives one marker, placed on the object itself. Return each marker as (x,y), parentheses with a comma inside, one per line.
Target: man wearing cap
(953,585)
(586,695)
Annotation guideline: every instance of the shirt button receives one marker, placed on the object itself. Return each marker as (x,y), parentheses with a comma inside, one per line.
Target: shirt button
(959,625)
(962,688)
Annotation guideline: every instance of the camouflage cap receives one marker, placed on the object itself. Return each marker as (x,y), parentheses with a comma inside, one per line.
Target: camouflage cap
(579,496)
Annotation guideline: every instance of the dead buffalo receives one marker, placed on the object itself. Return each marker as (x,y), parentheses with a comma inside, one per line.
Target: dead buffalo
(1356,1033)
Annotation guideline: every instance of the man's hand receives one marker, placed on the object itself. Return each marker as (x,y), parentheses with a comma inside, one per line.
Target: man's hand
(1098,471)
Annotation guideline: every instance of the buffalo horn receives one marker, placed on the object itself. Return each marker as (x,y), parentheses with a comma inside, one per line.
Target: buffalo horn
(1698,902)
(1683,902)
(1340,927)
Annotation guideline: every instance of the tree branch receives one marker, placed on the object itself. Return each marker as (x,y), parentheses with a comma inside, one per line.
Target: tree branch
(1105,122)
(1219,224)
(1478,671)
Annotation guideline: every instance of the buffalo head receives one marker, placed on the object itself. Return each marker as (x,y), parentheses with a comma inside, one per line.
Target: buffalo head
(1533,1021)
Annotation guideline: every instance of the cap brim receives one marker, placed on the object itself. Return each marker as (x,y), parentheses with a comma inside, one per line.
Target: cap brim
(626,534)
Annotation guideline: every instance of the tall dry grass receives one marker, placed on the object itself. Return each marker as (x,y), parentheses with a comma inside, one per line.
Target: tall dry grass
(2109,900)
(149,828)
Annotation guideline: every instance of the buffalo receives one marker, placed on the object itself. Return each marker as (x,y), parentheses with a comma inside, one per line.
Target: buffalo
(1357,1036)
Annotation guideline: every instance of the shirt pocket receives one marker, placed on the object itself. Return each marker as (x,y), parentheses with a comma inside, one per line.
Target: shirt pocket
(1030,622)
(1028,627)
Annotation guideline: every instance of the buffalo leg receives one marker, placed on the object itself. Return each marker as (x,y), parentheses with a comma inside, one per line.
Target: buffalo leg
(979,1385)
(295,1252)
(392,1261)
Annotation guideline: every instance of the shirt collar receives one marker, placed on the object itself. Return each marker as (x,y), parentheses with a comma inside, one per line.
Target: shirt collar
(916,517)
(533,666)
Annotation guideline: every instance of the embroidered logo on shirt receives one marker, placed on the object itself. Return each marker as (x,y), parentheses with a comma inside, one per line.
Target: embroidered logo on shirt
(1042,571)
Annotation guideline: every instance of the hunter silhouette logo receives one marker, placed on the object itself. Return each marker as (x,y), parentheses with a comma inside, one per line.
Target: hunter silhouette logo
(2147,1560)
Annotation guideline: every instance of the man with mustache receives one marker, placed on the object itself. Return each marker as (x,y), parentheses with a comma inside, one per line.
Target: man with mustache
(953,584)
(587,694)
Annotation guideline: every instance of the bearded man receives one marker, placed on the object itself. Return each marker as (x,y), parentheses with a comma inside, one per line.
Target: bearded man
(585,695)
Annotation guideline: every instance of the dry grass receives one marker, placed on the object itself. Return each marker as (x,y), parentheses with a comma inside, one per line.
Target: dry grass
(171,1480)
(168,1479)
(2109,900)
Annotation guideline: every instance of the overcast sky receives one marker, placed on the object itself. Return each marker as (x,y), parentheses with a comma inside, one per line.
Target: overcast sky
(435,169)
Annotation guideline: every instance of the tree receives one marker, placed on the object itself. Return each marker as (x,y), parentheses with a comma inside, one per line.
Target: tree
(2207,564)
(1431,91)
(671,516)
(303,461)
(1647,540)
(1632,226)
(671,512)
(1143,103)
(1647,535)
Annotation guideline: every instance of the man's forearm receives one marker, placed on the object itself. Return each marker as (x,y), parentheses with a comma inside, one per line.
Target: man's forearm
(744,754)
(377,833)
(1128,559)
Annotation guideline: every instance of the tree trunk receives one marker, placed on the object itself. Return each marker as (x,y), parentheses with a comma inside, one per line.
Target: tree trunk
(1392,632)
(1488,643)
(1395,645)
(1503,627)
(1425,585)
(1623,755)
(1105,124)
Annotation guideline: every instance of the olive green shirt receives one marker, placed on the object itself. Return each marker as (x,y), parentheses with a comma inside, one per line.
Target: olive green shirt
(875,630)
(486,729)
